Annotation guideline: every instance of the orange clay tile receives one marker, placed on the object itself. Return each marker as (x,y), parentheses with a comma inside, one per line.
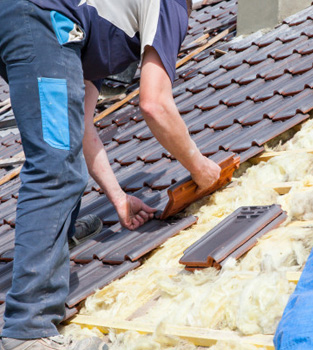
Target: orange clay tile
(183,194)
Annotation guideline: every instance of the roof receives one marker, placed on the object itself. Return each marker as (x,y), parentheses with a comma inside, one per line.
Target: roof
(258,88)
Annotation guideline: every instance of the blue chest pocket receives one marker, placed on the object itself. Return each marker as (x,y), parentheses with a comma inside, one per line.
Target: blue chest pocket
(66,30)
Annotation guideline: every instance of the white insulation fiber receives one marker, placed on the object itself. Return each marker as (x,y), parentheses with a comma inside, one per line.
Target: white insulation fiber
(247,296)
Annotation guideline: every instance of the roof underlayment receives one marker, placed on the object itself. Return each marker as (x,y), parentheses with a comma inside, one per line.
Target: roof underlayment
(260,87)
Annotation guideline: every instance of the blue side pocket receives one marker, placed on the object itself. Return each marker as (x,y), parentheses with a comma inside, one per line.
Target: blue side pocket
(54,112)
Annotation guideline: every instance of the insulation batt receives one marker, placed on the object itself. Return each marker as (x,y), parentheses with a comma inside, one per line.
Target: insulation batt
(247,296)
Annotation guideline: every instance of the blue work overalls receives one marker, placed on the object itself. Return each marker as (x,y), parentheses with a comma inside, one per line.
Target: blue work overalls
(47,94)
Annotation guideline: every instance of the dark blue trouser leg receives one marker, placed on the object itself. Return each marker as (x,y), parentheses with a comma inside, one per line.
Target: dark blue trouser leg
(47,94)
(295,330)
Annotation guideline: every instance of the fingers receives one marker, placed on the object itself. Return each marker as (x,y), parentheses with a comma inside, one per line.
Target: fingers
(138,213)
(140,219)
(201,189)
(148,209)
(145,216)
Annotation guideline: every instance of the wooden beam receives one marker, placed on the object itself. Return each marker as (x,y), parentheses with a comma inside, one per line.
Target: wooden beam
(204,47)
(11,175)
(265,156)
(17,159)
(5,102)
(5,108)
(116,106)
(218,53)
(6,162)
(196,335)
(282,187)
(188,57)
(293,276)
(11,161)
(301,223)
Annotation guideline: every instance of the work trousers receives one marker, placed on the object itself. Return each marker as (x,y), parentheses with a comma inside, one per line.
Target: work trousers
(47,95)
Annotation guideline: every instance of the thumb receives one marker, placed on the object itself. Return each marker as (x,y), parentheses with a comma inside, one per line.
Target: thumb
(148,209)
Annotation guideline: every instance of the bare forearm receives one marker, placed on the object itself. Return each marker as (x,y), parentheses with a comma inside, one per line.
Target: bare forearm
(99,167)
(162,116)
(171,131)
(95,155)
(132,211)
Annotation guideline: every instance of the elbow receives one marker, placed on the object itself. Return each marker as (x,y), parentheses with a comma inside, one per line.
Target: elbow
(152,110)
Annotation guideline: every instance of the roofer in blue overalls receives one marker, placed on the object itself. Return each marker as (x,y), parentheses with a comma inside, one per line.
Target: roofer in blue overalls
(54,54)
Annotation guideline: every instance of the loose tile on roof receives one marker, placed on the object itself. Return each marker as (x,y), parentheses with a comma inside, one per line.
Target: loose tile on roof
(233,234)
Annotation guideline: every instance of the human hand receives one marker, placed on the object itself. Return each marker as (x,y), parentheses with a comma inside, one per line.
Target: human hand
(133,212)
(207,176)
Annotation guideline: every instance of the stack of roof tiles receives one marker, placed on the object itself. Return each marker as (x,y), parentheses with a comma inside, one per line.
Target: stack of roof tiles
(232,105)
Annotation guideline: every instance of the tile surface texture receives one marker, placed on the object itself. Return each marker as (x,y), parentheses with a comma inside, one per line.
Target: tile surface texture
(232,104)
(233,236)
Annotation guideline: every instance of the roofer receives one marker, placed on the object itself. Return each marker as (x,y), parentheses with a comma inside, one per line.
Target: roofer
(47,49)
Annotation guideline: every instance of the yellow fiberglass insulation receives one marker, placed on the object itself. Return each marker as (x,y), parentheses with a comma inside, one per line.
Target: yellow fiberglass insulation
(247,296)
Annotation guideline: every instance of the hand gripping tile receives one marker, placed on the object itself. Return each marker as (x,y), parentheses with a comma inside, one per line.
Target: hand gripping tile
(230,234)
(183,193)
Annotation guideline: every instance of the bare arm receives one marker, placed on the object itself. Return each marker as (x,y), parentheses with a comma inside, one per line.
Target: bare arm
(131,210)
(162,116)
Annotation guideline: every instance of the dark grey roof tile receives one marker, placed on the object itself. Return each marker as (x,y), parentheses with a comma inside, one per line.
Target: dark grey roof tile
(155,233)
(215,99)
(270,88)
(263,53)
(87,279)
(240,43)
(239,58)
(226,79)
(232,115)
(244,92)
(301,65)
(278,128)
(271,36)
(299,17)
(286,50)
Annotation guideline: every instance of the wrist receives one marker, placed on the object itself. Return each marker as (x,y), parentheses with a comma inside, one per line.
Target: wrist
(119,198)
(199,162)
